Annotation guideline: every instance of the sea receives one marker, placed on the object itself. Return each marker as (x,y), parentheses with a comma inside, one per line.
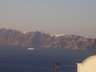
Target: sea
(20,59)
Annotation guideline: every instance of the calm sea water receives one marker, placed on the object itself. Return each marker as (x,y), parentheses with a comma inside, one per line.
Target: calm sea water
(20,59)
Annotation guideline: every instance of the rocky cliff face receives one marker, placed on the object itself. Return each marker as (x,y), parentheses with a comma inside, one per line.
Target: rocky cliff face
(41,39)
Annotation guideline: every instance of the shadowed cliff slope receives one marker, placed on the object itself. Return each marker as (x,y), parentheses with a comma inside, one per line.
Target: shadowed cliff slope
(41,39)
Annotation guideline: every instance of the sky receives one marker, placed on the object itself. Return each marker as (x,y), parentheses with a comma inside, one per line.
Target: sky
(53,16)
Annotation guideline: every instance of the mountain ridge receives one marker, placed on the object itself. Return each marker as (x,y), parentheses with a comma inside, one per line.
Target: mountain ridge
(46,40)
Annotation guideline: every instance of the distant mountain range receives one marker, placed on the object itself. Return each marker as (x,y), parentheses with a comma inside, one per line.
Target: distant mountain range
(11,37)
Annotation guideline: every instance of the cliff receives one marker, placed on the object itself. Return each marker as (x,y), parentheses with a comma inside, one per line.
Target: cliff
(41,39)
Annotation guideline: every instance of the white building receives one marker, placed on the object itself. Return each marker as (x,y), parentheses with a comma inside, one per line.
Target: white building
(88,65)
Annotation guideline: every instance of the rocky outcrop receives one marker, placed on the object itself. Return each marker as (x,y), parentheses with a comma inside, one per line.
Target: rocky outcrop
(41,39)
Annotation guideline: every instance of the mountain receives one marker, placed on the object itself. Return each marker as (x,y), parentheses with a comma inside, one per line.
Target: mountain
(11,37)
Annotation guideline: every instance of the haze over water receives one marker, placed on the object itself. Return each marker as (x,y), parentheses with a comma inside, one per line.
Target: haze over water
(53,16)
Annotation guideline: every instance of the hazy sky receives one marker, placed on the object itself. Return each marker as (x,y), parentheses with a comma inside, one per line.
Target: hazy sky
(54,16)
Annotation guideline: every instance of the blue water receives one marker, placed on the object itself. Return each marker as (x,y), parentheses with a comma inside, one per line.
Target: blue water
(20,59)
